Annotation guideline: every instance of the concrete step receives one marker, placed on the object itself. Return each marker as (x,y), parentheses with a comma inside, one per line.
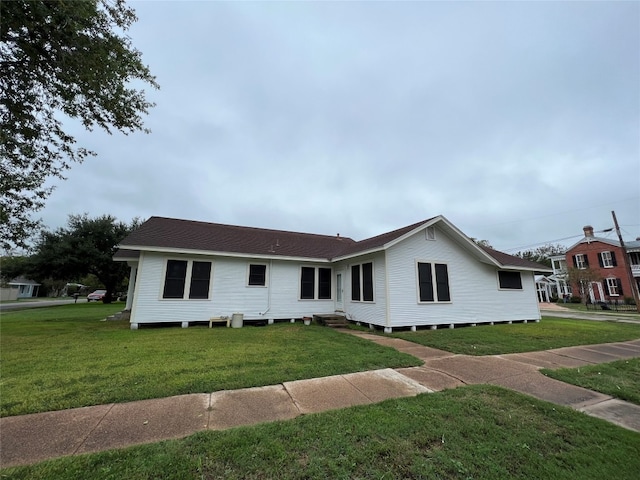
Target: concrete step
(331,320)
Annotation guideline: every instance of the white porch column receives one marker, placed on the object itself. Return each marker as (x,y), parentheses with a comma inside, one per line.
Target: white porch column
(132,284)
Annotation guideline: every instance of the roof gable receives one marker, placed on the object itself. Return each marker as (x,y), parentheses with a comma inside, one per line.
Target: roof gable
(379,242)
(175,235)
(589,240)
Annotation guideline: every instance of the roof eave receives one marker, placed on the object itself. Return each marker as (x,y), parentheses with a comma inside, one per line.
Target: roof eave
(212,253)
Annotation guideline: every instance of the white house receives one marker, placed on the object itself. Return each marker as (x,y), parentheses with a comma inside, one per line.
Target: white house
(425,274)
(24,287)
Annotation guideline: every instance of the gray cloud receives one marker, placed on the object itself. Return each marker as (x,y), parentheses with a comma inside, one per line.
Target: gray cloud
(518,121)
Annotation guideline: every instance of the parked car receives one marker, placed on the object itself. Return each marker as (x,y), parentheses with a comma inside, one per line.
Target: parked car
(96,296)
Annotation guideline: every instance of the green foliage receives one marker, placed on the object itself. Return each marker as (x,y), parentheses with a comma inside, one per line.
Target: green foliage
(85,247)
(13,267)
(481,243)
(477,432)
(542,254)
(70,58)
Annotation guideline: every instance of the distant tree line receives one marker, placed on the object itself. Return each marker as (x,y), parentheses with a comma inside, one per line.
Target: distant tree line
(80,252)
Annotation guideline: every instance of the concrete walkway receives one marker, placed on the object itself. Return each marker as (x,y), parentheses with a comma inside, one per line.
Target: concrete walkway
(556,310)
(32,438)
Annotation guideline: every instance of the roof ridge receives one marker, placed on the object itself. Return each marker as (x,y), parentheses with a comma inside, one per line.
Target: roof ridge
(397,230)
(244,227)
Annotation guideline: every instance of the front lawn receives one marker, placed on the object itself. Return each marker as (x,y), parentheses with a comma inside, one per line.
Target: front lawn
(523,337)
(620,379)
(475,432)
(64,357)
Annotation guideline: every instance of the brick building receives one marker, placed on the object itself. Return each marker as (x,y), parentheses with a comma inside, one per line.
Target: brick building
(606,258)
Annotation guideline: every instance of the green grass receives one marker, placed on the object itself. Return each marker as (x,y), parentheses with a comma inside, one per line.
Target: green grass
(620,379)
(64,357)
(477,432)
(521,337)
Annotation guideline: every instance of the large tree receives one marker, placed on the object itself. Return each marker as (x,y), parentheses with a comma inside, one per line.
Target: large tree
(85,246)
(11,267)
(60,60)
(542,254)
(582,278)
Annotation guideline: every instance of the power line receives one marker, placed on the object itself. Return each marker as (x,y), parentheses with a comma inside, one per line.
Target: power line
(606,230)
(563,212)
(540,243)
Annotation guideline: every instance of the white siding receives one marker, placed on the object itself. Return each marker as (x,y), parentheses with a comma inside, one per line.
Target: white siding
(475,297)
(367,312)
(229,292)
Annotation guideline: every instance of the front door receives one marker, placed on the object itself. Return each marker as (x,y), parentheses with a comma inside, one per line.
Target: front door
(595,292)
(339,293)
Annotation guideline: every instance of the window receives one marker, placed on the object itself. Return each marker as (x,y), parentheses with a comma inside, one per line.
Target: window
(607,259)
(315,283)
(367,282)
(307,283)
(362,282)
(430,276)
(200,278)
(613,286)
(355,283)
(177,273)
(580,261)
(431,233)
(257,275)
(174,279)
(510,280)
(324,283)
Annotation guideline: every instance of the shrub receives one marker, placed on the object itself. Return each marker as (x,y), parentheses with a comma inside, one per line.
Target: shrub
(575,299)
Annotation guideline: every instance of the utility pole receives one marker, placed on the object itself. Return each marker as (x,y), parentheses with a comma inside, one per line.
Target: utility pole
(632,281)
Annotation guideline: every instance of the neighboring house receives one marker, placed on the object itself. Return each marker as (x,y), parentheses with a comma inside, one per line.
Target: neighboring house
(8,294)
(604,256)
(562,288)
(25,288)
(545,288)
(425,274)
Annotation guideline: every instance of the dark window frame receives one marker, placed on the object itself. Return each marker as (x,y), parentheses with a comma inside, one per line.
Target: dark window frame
(355,283)
(363,282)
(257,278)
(442,282)
(316,283)
(425,283)
(178,271)
(200,280)
(507,280)
(433,282)
(175,279)
(325,275)
(307,283)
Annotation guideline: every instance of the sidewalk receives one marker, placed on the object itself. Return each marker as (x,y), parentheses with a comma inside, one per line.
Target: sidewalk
(32,438)
(555,310)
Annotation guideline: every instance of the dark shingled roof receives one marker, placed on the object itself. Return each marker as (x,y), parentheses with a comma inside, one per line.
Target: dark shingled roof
(214,237)
(380,240)
(160,232)
(513,261)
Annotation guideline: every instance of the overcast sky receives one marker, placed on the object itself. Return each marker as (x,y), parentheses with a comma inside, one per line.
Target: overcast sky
(519,122)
